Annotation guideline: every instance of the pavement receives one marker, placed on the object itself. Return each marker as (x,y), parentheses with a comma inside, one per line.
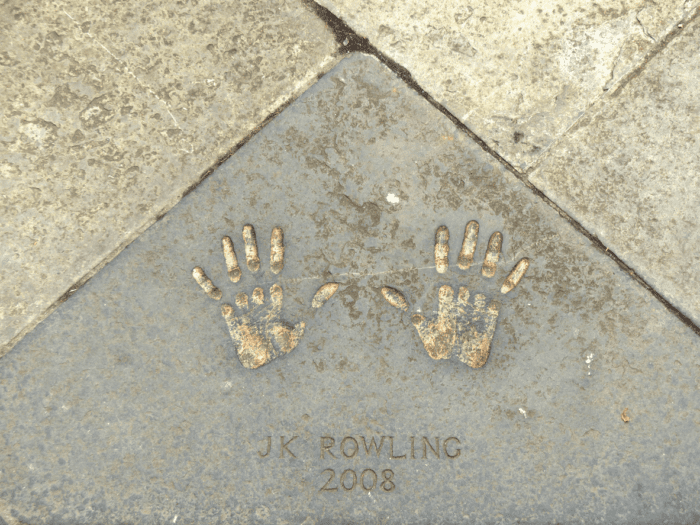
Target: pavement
(484,255)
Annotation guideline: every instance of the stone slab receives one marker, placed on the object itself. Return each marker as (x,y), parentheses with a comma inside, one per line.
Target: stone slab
(129,404)
(517,73)
(628,171)
(114,110)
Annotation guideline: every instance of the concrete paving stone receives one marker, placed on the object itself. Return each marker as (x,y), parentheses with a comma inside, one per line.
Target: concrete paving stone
(517,73)
(115,109)
(136,402)
(628,171)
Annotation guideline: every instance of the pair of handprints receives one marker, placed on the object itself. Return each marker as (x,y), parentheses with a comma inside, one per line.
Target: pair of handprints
(462,328)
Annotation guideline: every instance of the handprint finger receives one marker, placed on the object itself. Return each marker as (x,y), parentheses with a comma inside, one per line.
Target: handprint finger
(395,298)
(276,298)
(466,254)
(258,297)
(206,284)
(251,248)
(515,275)
(445,300)
(227,312)
(417,320)
(324,293)
(234,271)
(463,296)
(493,252)
(479,300)
(442,249)
(277,250)
(242,301)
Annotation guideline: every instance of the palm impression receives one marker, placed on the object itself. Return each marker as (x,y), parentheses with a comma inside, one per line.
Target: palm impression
(463,328)
(257,331)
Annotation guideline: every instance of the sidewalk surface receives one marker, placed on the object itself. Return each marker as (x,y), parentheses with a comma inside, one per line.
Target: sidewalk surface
(483,259)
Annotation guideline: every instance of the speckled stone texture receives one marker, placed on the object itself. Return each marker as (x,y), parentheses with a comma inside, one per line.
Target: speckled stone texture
(630,172)
(128,404)
(517,73)
(112,110)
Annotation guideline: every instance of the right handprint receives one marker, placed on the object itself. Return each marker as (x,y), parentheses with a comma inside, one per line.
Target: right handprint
(462,328)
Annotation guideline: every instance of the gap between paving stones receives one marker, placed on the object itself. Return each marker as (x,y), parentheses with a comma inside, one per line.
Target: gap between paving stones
(351,42)
(124,245)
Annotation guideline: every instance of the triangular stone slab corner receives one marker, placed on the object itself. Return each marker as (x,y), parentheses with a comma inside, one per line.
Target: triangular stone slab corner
(129,403)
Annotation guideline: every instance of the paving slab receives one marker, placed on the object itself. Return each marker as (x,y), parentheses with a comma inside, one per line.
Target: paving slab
(377,360)
(114,110)
(628,171)
(517,73)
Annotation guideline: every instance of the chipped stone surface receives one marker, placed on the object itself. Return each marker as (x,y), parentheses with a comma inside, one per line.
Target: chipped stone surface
(629,172)
(112,110)
(517,73)
(129,405)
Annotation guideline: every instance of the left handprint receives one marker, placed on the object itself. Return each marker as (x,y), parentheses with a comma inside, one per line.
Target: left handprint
(257,330)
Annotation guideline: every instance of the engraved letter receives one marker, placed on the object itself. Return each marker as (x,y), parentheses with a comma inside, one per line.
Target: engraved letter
(283,446)
(348,439)
(391,438)
(373,443)
(413,447)
(326,447)
(269,445)
(435,450)
(458,451)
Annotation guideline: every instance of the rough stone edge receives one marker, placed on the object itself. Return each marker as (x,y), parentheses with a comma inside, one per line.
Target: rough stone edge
(349,42)
(274,109)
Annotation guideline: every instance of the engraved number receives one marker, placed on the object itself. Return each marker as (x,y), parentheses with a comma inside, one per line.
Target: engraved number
(344,476)
(368,480)
(330,478)
(387,485)
(373,477)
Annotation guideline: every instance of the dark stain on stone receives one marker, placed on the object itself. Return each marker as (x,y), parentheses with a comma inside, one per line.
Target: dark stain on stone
(349,297)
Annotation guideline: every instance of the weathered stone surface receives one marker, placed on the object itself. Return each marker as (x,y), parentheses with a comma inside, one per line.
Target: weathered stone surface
(517,73)
(129,404)
(112,110)
(629,172)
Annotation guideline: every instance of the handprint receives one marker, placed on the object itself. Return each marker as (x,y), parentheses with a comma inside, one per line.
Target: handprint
(462,329)
(257,331)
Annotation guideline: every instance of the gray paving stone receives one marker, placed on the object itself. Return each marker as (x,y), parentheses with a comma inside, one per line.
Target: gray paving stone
(113,110)
(629,171)
(516,73)
(129,404)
